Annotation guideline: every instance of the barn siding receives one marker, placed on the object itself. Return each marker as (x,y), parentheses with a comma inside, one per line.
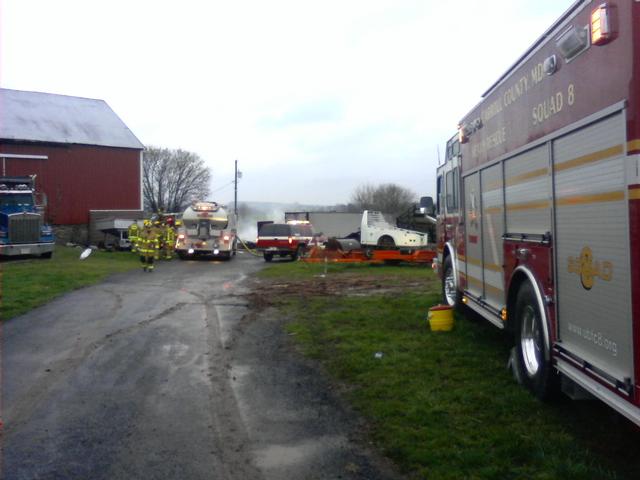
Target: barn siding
(79,178)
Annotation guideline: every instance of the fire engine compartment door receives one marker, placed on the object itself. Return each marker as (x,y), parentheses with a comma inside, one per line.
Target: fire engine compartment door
(471,265)
(593,288)
(492,230)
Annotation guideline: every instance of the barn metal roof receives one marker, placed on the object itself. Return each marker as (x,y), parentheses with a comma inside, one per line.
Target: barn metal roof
(46,117)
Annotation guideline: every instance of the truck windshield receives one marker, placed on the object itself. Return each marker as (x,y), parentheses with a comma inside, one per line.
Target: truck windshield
(302,230)
(274,230)
(16,200)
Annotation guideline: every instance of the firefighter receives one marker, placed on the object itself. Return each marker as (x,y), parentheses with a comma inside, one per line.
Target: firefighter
(169,239)
(158,232)
(133,233)
(148,246)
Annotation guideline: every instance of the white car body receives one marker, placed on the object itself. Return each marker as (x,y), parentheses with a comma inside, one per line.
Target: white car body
(376,231)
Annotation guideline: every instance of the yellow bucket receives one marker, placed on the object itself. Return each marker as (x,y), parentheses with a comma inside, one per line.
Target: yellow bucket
(441,318)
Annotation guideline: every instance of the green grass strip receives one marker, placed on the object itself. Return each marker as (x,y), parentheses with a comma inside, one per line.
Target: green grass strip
(442,405)
(27,284)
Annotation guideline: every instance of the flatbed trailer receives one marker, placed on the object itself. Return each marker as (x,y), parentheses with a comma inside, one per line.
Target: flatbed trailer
(320,255)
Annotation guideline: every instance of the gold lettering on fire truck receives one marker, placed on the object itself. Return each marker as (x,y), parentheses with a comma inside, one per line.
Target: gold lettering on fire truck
(553,105)
(537,73)
(515,91)
(490,141)
(589,269)
(492,110)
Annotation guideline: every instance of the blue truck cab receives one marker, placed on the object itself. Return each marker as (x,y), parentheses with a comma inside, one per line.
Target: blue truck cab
(22,227)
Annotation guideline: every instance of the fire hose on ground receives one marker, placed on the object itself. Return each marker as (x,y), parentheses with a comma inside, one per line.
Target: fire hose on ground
(248,249)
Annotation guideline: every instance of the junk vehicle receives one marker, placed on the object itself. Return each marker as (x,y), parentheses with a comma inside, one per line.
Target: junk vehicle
(23,230)
(115,231)
(538,207)
(207,229)
(283,239)
(329,224)
(375,231)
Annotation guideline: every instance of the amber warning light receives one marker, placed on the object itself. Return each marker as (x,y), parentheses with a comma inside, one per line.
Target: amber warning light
(601,25)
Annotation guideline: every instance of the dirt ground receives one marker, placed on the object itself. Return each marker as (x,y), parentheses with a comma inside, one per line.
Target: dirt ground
(266,292)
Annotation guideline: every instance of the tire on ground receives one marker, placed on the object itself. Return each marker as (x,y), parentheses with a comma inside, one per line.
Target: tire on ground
(268,257)
(533,359)
(450,293)
(298,253)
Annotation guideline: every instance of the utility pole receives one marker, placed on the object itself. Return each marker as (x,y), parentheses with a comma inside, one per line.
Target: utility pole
(235,191)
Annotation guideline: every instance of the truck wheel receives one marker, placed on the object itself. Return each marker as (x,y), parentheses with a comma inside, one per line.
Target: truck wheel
(268,257)
(450,293)
(532,356)
(386,242)
(46,255)
(298,253)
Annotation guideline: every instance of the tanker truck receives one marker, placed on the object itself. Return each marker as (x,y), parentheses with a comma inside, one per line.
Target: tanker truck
(206,229)
(22,227)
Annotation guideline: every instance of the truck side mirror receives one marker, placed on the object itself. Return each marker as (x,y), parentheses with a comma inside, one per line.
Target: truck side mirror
(41,199)
(426,206)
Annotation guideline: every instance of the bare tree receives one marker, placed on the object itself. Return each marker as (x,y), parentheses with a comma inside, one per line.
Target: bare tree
(387,198)
(172,179)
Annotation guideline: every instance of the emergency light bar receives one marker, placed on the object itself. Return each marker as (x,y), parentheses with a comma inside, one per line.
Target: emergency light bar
(573,42)
(601,31)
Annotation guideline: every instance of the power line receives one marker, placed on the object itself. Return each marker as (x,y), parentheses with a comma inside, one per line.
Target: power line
(223,187)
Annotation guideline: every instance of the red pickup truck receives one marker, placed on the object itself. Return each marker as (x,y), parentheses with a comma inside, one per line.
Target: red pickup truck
(283,239)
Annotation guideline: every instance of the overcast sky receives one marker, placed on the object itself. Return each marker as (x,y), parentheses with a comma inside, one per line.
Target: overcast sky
(312,98)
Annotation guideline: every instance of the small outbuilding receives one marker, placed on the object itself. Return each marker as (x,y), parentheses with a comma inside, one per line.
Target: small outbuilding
(88,163)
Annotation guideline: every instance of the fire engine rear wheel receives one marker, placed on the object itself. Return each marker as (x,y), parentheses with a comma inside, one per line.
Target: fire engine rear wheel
(268,257)
(450,293)
(532,354)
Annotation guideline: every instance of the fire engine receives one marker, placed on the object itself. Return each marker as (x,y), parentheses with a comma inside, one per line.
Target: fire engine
(207,229)
(538,207)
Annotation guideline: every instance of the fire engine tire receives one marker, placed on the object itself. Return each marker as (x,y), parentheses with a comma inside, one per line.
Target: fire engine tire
(268,257)
(47,255)
(450,293)
(534,368)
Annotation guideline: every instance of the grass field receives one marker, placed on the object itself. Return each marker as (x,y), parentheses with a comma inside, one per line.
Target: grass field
(27,284)
(443,405)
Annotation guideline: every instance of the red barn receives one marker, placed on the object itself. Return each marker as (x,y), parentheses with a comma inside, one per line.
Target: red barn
(83,154)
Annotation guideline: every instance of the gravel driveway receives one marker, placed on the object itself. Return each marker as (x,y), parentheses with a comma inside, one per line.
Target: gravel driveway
(171,375)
